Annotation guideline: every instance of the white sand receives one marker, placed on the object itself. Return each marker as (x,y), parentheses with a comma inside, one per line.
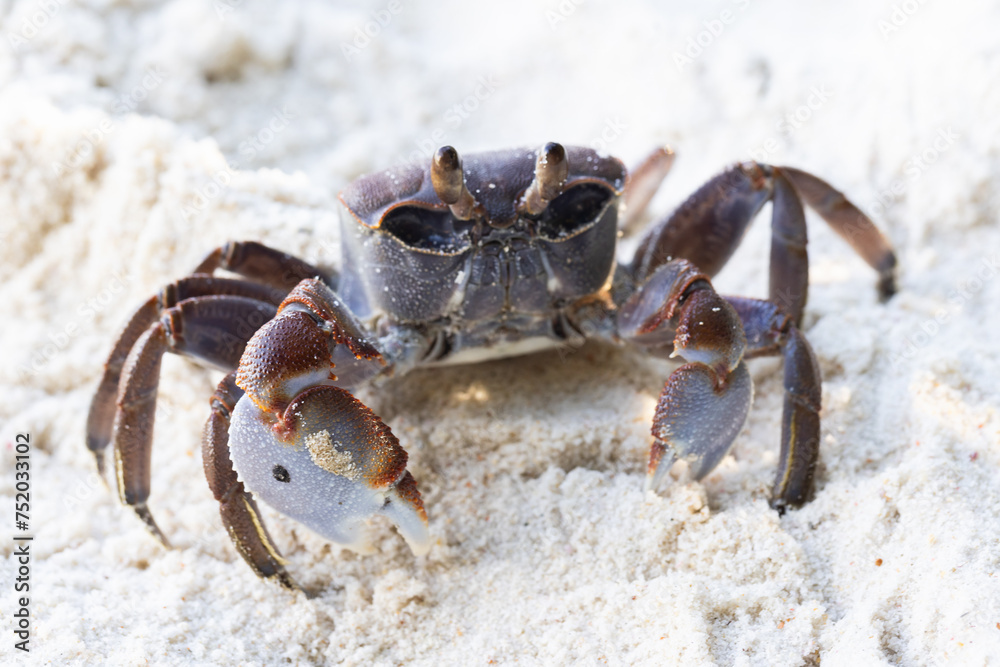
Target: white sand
(547,551)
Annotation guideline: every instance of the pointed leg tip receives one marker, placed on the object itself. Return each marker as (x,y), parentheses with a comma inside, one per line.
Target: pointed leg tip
(887,288)
(142,511)
(783,500)
(99,460)
(664,155)
(282,577)
(779,506)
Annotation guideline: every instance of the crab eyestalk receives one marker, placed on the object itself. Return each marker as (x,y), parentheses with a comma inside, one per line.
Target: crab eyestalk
(551,172)
(448,180)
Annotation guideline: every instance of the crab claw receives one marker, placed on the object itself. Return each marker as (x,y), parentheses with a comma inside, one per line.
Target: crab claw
(697,419)
(329,463)
(704,403)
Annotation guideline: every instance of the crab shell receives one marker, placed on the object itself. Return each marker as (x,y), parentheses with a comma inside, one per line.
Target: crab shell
(406,255)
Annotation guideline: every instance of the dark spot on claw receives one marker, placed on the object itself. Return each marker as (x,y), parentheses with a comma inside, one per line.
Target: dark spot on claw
(281,474)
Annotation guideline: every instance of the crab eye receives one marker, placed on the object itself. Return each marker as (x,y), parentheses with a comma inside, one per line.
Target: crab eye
(423,229)
(573,211)
(280,473)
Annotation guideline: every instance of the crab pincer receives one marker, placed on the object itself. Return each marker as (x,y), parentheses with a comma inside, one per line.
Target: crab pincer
(306,446)
(704,403)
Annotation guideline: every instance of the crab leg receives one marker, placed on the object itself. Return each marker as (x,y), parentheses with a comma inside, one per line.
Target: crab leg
(706,230)
(276,270)
(262,264)
(101,418)
(704,403)
(211,328)
(788,286)
(847,220)
(133,423)
(102,408)
(769,332)
(309,448)
(237,507)
(643,183)
(708,227)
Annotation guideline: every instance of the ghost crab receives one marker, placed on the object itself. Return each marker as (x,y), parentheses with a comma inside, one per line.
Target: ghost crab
(445,263)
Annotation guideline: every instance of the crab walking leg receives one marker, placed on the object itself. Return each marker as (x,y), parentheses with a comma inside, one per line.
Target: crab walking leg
(101,417)
(239,512)
(308,448)
(850,223)
(132,430)
(704,403)
(788,286)
(770,332)
(708,227)
(643,183)
(102,407)
(263,264)
(211,328)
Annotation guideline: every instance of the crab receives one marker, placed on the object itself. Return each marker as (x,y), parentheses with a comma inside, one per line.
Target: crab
(452,262)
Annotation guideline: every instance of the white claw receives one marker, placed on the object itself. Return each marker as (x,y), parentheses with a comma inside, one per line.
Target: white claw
(697,422)
(332,470)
